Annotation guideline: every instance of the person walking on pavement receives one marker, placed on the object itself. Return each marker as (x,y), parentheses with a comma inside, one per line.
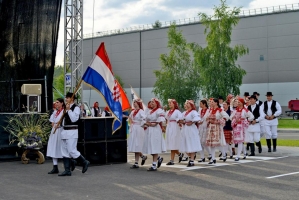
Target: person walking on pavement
(54,142)
(69,136)
(253,131)
(272,110)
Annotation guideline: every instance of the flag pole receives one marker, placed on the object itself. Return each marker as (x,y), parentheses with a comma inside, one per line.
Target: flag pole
(64,111)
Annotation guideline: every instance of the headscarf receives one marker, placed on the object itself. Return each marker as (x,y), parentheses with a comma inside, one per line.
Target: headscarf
(229,98)
(191,102)
(175,103)
(157,102)
(241,100)
(139,102)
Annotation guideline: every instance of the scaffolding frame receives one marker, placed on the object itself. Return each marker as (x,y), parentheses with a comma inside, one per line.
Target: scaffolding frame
(73,46)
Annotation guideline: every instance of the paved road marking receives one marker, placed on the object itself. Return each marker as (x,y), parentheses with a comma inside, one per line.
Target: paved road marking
(282,175)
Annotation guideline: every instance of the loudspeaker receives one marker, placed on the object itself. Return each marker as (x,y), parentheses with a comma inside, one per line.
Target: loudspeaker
(119,134)
(117,151)
(92,129)
(31,89)
(94,152)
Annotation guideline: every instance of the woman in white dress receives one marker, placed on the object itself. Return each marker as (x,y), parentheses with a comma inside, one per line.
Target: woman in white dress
(173,131)
(137,134)
(216,120)
(154,142)
(203,112)
(54,142)
(240,122)
(190,141)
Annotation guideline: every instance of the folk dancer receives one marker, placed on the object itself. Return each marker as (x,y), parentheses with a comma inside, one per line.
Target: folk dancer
(95,111)
(216,120)
(173,131)
(190,141)
(253,131)
(54,142)
(154,142)
(240,118)
(69,136)
(272,110)
(202,128)
(228,135)
(137,134)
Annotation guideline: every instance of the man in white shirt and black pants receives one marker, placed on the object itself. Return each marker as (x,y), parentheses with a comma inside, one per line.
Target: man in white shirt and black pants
(272,110)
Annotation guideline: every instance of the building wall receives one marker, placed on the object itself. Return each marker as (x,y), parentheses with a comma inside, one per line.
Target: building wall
(271,65)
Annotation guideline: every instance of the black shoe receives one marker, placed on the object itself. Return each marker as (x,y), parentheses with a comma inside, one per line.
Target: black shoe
(160,160)
(134,167)
(252,154)
(73,164)
(144,158)
(237,159)
(274,149)
(224,159)
(185,159)
(190,164)
(260,150)
(181,157)
(202,160)
(244,157)
(54,170)
(151,169)
(85,163)
(231,157)
(65,173)
(209,157)
(170,163)
(214,161)
(269,149)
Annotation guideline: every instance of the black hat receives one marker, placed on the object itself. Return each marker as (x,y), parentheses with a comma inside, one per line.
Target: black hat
(220,97)
(269,94)
(246,94)
(70,95)
(253,97)
(256,93)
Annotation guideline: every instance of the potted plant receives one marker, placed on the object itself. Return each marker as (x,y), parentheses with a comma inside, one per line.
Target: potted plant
(30,130)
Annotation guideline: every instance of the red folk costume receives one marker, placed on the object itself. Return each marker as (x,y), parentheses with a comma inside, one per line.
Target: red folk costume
(216,121)
(240,122)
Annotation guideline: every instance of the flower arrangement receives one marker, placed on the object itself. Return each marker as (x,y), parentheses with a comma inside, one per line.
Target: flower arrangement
(31,130)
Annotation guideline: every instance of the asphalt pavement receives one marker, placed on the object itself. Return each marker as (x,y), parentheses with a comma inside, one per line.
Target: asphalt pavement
(265,176)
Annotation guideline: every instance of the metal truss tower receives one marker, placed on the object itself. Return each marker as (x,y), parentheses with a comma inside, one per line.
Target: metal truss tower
(73,44)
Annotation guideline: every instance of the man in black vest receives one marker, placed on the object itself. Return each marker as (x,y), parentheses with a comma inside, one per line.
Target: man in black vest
(257,95)
(69,137)
(254,127)
(272,110)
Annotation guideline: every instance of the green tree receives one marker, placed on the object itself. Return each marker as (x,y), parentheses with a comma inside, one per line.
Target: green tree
(119,79)
(217,61)
(178,78)
(58,81)
(157,24)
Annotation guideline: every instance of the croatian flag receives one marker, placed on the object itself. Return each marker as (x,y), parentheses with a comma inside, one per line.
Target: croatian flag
(99,76)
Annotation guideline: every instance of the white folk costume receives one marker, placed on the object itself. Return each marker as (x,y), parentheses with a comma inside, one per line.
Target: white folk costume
(215,136)
(271,108)
(137,134)
(202,129)
(253,131)
(54,142)
(173,131)
(240,122)
(190,141)
(154,143)
(69,137)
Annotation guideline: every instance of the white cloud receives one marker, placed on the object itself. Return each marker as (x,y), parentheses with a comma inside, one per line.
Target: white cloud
(117,14)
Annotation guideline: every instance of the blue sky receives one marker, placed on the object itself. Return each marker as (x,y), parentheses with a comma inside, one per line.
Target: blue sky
(117,14)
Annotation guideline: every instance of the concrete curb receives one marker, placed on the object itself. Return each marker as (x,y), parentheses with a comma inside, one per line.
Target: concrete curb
(288,130)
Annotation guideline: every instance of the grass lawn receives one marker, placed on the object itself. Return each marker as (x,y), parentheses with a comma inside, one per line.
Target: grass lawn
(289,143)
(288,123)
